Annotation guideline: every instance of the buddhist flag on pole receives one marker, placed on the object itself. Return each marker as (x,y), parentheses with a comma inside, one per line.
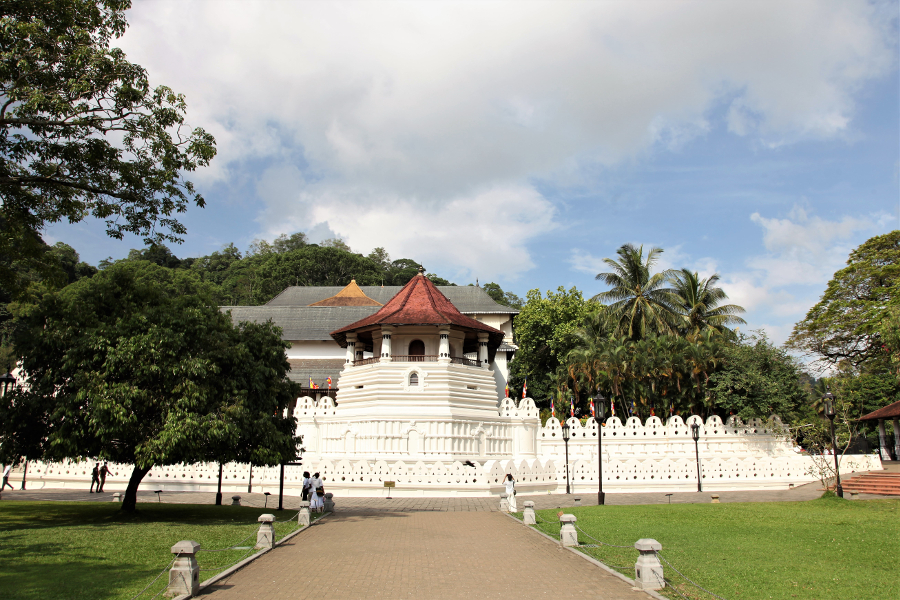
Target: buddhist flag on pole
(612,407)
(329,383)
(525,389)
(311,383)
(507,390)
(571,406)
(593,414)
(552,407)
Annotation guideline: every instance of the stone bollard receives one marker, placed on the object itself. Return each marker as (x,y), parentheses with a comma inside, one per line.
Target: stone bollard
(648,570)
(528,516)
(265,537)
(235,500)
(577,501)
(184,576)
(504,503)
(328,505)
(854,495)
(715,499)
(303,515)
(567,534)
(117,497)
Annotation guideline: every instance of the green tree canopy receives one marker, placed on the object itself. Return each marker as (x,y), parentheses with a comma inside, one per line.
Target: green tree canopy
(82,132)
(639,298)
(843,327)
(699,301)
(137,365)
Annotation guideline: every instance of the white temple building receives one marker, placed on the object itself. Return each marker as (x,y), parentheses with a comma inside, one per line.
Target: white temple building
(419,400)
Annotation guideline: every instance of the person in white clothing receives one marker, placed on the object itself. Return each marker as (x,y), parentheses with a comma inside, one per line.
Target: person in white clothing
(6,482)
(316,502)
(510,484)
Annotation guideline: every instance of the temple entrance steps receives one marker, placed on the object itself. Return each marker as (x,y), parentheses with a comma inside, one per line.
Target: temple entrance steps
(886,484)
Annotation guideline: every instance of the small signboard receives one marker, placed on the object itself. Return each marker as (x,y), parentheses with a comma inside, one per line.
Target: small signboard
(389,484)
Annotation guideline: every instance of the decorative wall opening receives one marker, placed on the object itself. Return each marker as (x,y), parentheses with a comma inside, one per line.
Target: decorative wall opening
(413,379)
(417,348)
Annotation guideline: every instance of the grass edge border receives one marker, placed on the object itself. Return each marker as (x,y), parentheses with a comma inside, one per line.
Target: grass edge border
(237,567)
(590,559)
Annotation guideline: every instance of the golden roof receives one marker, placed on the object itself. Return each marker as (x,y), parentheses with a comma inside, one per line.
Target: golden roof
(349,296)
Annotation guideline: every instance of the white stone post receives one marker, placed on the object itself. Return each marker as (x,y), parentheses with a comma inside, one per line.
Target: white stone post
(504,503)
(483,349)
(235,500)
(265,537)
(444,346)
(648,571)
(386,332)
(351,348)
(567,534)
(528,516)
(303,515)
(184,576)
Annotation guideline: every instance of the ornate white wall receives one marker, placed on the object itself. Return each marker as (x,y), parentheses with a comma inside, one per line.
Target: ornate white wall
(425,456)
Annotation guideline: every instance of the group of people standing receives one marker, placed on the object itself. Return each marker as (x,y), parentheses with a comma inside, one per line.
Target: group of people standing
(98,477)
(314,491)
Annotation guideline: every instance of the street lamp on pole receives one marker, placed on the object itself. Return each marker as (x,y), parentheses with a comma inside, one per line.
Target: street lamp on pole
(829,412)
(695,433)
(7,380)
(601,415)
(565,434)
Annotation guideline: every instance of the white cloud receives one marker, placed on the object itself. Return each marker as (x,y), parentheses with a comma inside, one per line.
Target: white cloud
(392,112)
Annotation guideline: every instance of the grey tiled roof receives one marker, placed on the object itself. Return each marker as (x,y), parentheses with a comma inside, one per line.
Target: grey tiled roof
(319,369)
(467,299)
(302,322)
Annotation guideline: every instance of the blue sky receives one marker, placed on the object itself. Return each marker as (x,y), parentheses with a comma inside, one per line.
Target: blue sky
(523,142)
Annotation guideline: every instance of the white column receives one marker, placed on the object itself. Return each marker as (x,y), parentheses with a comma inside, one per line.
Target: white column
(386,332)
(882,441)
(483,349)
(896,438)
(444,346)
(351,348)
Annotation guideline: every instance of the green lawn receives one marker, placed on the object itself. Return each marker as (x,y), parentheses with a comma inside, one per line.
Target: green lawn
(94,551)
(817,550)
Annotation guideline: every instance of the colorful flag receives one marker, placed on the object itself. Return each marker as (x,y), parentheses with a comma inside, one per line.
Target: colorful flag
(593,414)
(671,409)
(571,406)
(525,389)
(552,407)
(329,383)
(633,407)
(311,386)
(612,407)
(652,412)
(507,390)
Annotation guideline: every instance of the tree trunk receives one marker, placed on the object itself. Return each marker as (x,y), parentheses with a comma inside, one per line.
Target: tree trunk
(131,491)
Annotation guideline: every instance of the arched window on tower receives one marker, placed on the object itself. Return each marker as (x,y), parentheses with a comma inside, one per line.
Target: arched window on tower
(417,348)
(413,379)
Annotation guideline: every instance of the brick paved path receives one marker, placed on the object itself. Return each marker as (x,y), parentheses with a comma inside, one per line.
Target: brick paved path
(422,554)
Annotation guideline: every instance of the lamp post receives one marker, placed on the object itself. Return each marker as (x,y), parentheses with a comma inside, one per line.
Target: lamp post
(565,434)
(829,412)
(695,433)
(7,380)
(601,414)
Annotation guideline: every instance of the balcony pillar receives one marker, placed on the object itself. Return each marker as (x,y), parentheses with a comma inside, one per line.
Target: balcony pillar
(483,349)
(386,331)
(351,348)
(444,348)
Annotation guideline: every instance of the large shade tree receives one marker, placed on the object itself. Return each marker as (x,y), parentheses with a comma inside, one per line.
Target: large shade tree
(82,131)
(136,365)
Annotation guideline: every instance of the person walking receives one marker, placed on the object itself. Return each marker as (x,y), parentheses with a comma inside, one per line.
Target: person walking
(104,471)
(6,482)
(317,494)
(304,491)
(95,477)
(510,484)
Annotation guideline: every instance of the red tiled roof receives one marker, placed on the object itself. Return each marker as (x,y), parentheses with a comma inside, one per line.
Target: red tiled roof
(891,411)
(419,303)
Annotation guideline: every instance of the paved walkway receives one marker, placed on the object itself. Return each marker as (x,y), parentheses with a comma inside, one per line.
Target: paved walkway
(422,554)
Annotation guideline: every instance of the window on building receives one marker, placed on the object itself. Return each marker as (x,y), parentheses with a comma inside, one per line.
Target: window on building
(417,348)
(413,379)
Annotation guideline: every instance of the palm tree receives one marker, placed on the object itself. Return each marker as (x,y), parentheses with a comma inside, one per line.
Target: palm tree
(640,301)
(698,301)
